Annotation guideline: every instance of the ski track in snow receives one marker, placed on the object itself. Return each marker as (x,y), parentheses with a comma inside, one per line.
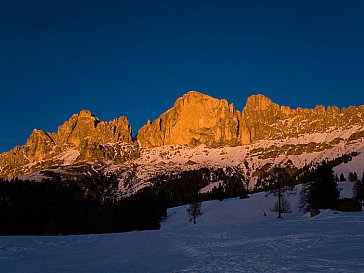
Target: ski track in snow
(231,236)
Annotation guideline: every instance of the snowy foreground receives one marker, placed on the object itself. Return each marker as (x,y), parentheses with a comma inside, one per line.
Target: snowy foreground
(231,236)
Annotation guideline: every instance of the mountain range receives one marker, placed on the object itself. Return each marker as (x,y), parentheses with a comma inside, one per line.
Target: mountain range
(199,131)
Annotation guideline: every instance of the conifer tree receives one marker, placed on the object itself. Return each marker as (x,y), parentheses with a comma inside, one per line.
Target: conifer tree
(358,190)
(220,192)
(342,177)
(355,177)
(323,191)
(336,178)
(350,176)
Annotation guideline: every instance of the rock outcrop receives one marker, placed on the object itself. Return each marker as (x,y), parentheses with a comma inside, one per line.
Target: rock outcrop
(263,119)
(200,119)
(83,129)
(82,137)
(194,119)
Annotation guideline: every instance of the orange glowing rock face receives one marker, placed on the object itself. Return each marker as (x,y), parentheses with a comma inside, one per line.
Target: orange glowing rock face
(82,137)
(195,119)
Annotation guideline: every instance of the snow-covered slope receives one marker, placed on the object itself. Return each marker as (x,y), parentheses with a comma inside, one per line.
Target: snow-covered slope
(355,165)
(250,160)
(231,236)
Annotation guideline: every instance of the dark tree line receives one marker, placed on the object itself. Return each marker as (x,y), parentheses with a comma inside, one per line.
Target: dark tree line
(353,176)
(74,207)
(92,204)
(180,188)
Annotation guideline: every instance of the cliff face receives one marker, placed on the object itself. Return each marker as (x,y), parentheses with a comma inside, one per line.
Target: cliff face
(199,119)
(263,119)
(194,119)
(82,137)
(85,133)
(84,128)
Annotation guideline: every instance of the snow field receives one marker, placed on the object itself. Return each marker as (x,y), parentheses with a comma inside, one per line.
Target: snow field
(232,235)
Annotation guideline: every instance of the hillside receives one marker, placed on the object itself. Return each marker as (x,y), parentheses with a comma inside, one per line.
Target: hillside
(232,235)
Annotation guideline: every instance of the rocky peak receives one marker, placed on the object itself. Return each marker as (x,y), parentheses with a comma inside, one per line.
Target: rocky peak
(116,130)
(84,130)
(194,119)
(259,102)
(38,146)
(77,128)
(86,114)
(38,136)
(193,97)
(264,119)
(82,133)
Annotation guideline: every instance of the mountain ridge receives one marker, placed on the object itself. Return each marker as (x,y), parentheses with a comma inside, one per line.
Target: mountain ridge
(195,119)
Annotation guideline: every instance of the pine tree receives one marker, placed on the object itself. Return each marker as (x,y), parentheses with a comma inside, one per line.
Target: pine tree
(351,177)
(358,190)
(342,177)
(323,191)
(355,177)
(220,192)
(336,178)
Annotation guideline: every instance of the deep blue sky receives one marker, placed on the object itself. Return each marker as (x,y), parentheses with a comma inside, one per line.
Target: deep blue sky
(135,58)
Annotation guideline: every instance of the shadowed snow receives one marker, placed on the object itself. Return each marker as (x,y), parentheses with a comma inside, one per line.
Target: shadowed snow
(231,236)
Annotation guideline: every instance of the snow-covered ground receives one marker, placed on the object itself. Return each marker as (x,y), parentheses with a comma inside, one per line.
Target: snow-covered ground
(231,236)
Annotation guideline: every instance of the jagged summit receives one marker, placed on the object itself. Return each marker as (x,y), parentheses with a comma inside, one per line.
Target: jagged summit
(264,119)
(82,137)
(85,128)
(193,96)
(196,94)
(260,102)
(194,119)
(86,113)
